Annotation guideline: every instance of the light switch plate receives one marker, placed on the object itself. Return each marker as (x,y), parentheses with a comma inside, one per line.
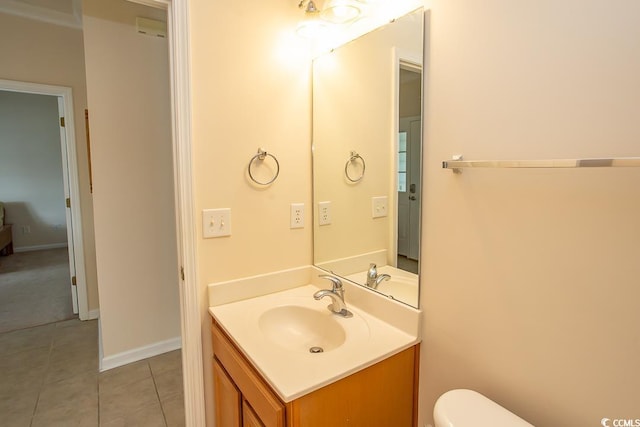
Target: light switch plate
(216,222)
(324,213)
(379,206)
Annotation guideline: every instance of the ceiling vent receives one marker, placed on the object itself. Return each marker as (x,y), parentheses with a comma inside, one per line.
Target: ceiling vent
(151,27)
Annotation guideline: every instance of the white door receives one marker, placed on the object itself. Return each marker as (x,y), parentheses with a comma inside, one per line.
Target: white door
(409,154)
(68,215)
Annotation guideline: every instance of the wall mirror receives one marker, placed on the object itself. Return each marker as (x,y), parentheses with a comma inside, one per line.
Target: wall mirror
(367,145)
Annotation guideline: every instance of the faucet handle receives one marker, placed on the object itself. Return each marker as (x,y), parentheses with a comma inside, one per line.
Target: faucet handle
(336,283)
(373,270)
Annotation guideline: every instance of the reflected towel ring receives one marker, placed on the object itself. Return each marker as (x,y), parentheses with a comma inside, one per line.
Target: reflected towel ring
(353,158)
(261,156)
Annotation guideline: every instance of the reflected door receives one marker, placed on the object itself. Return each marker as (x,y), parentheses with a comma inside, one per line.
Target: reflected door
(409,154)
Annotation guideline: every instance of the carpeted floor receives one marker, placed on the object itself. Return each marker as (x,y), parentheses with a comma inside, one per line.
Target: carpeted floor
(34,289)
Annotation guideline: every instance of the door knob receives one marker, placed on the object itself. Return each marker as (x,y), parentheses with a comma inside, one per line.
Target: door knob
(412,197)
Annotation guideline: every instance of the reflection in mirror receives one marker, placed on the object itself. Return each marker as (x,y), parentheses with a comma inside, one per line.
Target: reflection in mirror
(367,143)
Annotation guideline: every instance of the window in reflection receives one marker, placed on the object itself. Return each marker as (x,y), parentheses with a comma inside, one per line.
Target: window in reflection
(402,162)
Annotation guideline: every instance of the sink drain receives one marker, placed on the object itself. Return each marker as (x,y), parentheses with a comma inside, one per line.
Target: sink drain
(316,350)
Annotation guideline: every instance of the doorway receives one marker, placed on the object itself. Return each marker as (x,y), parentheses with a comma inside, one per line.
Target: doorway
(409,155)
(43,197)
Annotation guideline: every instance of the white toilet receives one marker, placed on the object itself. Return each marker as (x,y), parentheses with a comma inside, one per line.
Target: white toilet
(468,408)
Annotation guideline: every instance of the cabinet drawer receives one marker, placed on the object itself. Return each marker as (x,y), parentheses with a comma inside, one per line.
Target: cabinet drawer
(267,406)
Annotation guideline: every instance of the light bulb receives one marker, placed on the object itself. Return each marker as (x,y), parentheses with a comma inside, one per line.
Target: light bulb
(340,11)
(311,28)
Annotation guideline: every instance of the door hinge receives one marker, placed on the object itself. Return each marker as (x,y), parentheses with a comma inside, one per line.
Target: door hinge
(62,121)
(73,281)
(68,202)
(182,272)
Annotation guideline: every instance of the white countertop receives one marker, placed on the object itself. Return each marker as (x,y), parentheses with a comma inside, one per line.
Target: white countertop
(293,374)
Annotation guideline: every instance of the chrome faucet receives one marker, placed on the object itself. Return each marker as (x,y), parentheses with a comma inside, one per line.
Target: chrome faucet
(373,278)
(336,293)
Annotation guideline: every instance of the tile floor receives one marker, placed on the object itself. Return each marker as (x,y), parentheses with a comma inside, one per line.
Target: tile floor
(406,264)
(49,377)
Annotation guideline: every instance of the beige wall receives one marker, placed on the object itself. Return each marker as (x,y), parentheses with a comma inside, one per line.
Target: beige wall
(37,52)
(250,88)
(530,290)
(411,101)
(128,95)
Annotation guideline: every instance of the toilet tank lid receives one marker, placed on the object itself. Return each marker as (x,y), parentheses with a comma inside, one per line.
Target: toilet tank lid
(466,408)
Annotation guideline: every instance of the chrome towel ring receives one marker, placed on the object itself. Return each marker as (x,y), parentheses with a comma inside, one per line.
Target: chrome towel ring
(261,156)
(353,159)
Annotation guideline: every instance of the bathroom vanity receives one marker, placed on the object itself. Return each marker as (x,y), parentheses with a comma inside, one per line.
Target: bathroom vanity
(266,371)
(380,395)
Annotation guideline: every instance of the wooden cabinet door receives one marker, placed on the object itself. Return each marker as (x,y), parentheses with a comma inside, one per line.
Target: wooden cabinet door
(249,417)
(228,399)
(263,400)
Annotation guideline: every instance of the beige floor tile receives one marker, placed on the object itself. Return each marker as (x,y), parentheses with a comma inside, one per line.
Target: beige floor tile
(148,416)
(26,339)
(80,391)
(64,365)
(127,399)
(18,406)
(49,378)
(166,362)
(76,334)
(27,359)
(87,349)
(124,375)
(23,370)
(77,411)
(67,416)
(173,409)
(169,384)
(20,384)
(16,420)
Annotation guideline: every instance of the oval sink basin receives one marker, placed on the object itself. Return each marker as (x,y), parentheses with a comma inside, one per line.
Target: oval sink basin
(300,328)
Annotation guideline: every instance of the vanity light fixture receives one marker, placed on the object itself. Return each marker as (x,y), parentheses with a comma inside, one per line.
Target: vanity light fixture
(311,26)
(317,20)
(340,11)
(309,6)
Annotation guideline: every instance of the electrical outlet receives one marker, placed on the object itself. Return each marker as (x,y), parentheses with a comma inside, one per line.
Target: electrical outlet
(297,215)
(379,206)
(26,229)
(324,213)
(216,222)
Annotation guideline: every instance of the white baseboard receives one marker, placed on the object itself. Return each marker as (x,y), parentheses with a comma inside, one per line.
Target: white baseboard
(94,314)
(139,353)
(40,247)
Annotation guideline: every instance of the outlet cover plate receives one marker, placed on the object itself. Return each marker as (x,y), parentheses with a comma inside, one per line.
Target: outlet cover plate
(324,213)
(297,215)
